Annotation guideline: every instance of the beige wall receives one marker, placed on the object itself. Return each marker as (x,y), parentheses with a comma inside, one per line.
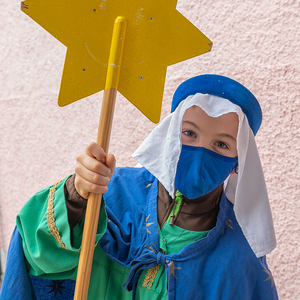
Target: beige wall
(255,42)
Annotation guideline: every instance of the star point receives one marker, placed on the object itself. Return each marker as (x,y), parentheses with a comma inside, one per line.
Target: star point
(269,278)
(228,224)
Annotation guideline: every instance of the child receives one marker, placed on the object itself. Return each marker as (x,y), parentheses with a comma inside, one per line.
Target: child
(193,222)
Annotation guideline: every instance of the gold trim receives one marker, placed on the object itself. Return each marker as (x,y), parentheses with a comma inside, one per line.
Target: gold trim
(150,276)
(50,216)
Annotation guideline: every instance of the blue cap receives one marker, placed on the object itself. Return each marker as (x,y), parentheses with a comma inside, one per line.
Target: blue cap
(223,87)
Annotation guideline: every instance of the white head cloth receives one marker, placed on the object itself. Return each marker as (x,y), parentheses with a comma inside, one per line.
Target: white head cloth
(160,151)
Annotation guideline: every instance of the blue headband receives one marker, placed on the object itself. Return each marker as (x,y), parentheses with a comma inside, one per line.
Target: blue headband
(223,87)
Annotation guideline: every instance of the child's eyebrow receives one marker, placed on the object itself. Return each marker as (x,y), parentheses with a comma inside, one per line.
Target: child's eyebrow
(191,123)
(222,135)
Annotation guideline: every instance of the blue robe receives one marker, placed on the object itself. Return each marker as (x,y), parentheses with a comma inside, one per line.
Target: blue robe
(219,266)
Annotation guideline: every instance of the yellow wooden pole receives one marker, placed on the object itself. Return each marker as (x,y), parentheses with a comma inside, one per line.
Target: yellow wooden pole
(104,131)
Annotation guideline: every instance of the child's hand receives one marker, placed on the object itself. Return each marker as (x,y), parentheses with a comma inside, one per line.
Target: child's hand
(93,170)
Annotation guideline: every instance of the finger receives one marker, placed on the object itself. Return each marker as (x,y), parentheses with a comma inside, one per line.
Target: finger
(92,164)
(111,161)
(91,176)
(94,150)
(111,164)
(85,187)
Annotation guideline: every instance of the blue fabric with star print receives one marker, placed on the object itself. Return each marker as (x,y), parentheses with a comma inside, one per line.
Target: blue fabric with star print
(46,289)
(220,266)
(18,285)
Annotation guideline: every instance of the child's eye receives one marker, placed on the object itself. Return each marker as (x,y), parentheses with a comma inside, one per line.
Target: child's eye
(189,133)
(221,145)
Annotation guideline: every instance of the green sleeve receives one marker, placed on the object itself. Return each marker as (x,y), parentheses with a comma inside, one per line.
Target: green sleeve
(50,247)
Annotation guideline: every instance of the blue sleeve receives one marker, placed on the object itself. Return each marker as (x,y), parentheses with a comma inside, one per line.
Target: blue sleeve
(126,201)
(16,283)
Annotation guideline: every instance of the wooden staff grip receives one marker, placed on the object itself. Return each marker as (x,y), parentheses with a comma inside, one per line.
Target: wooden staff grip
(104,131)
(94,203)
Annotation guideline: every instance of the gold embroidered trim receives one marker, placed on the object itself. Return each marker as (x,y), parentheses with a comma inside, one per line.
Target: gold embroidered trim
(50,216)
(150,276)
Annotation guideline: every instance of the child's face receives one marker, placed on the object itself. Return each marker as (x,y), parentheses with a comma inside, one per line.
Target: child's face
(216,134)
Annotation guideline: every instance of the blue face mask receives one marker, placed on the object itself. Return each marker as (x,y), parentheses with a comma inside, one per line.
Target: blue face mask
(200,171)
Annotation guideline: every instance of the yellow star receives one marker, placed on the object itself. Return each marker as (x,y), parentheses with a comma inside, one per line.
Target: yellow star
(157,36)
(269,278)
(172,269)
